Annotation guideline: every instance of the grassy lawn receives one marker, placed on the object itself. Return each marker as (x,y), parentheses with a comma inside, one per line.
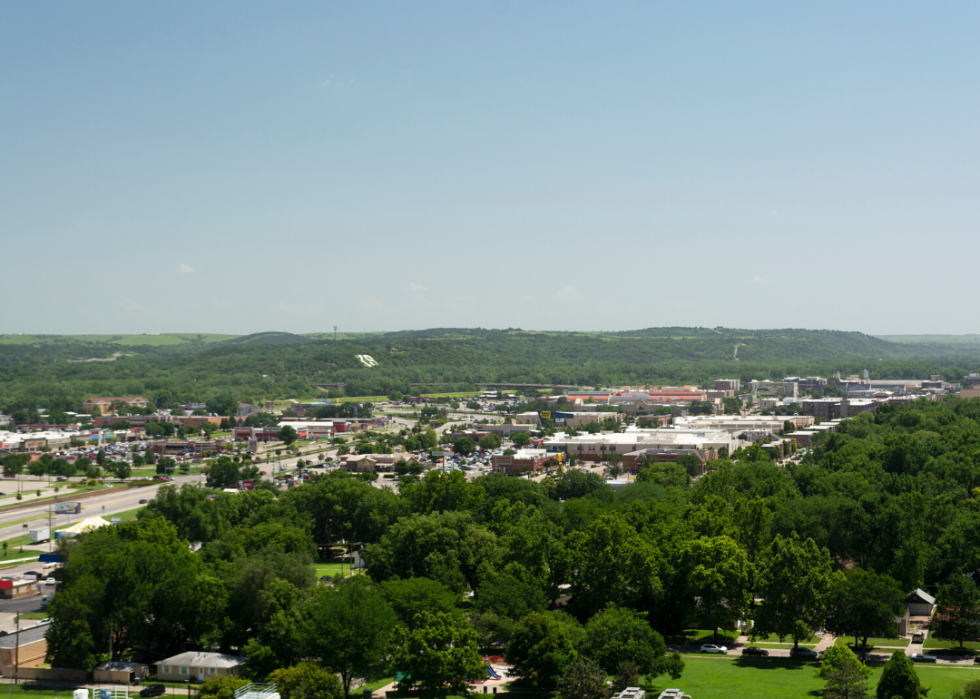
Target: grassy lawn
(64,494)
(699,636)
(887,642)
(377,684)
(784,646)
(28,692)
(937,643)
(723,677)
(332,569)
(773,638)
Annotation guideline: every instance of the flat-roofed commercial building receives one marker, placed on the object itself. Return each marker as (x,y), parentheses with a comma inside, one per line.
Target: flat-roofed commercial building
(523,461)
(598,447)
(633,460)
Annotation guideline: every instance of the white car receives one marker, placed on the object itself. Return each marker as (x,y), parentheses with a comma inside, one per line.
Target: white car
(50,581)
(712,648)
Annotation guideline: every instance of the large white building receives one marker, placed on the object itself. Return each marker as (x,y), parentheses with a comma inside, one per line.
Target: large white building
(597,447)
(736,424)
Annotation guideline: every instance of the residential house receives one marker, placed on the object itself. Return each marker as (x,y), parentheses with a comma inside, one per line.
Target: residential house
(198,666)
(920,603)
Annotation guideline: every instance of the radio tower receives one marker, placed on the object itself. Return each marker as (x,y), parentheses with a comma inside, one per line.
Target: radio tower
(335,333)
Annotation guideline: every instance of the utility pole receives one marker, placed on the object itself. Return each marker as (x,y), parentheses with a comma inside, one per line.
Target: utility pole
(17,648)
(50,535)
(335,333)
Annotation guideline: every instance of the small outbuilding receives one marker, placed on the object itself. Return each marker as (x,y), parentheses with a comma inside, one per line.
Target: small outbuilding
(120,672)
(920,603)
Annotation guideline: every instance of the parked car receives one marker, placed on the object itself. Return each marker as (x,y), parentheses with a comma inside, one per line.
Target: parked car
(918,637)
(752,650)
(803,653)
(50,581)
(153,690)
(712,648)
(923,658)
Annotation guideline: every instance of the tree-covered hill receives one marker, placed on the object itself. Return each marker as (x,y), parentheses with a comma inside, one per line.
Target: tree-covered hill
(62,373)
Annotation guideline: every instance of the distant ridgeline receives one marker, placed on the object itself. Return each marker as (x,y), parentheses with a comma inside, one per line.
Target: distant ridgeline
(62,370)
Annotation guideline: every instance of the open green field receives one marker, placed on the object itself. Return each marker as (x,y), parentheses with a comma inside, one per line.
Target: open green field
(332,569)
(878,642)
(130,340)
(718,677)
(941,339)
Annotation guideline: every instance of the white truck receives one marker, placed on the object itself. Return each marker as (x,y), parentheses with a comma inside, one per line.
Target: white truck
(38,535)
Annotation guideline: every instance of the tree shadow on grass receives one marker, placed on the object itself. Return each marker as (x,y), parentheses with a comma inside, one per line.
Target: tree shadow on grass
(773,663)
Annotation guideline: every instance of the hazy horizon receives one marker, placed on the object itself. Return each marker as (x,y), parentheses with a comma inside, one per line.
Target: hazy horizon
(199,167)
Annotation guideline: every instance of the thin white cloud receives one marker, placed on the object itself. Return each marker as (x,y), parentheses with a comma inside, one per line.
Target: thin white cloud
(185,268)
(759,280)
(774,213)
(417,287)
(372,303)
(333,81)
(568,293)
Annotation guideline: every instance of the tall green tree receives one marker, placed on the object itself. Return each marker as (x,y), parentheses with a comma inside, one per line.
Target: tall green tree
(583,680)
(958,608)
(845,675)
(449,548)
(464,446)
(440,655)
(306,681)
(287,435)
(413,596)
(720,578)
(863,604)
(348,628)
(899,680)
(611,565)
(619,636)
(542,648)
(794,582)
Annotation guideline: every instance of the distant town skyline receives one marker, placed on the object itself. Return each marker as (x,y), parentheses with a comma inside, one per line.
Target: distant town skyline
(236,168)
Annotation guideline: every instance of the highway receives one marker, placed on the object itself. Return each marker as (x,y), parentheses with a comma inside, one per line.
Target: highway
(20,521)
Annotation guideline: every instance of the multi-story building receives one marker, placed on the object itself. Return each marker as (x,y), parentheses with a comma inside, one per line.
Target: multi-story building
(810,383)
(104,405)
(523,461)
(775,388)
(728,385)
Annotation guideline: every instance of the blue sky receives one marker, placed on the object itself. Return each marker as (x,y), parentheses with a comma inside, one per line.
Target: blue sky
(239,167)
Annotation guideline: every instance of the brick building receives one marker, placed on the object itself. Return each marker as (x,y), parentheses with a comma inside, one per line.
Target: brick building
(104,404)
(522,461)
